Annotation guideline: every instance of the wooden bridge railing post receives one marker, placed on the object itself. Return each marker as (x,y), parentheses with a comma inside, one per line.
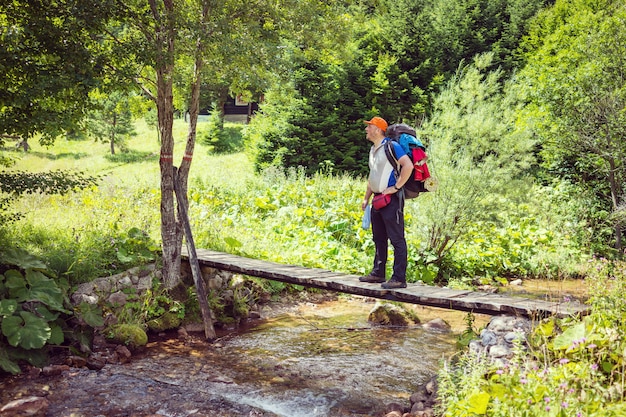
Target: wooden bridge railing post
(209,330)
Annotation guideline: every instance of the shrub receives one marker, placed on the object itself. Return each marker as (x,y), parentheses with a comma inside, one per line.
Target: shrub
(222,138)
(35,313)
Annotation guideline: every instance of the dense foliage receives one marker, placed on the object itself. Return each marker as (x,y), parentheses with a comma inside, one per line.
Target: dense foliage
(573,367)
(399,58)
(576,88)
(49,64)
(323,130)
(35,312)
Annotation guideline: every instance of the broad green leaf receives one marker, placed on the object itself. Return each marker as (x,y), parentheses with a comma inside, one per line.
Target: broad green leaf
(146,254)
(56,336)
(426,275)
(20,258)
(6,363)
(92,314)
(566,339)
(545,329)
(16,285)
(36,357)
(232,242)
(84,337)
(607,366)
(45,290)
(123,256)
(45,313)
(498,391)
(26,330)
(10,327)
(7,307)
(135,233)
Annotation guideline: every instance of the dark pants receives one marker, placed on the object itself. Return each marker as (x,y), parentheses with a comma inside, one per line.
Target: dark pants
(388,226)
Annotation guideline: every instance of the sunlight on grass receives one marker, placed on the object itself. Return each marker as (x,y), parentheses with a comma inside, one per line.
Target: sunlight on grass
(138,162)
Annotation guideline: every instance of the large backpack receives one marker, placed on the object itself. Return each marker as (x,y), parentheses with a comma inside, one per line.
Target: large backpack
(406,137)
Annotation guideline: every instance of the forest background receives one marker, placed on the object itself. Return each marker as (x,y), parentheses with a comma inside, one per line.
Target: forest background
(520,103)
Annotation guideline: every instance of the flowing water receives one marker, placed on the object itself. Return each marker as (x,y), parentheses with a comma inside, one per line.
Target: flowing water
(310,360)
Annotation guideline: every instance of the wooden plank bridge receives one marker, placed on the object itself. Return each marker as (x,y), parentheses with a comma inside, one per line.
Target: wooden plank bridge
(471,301)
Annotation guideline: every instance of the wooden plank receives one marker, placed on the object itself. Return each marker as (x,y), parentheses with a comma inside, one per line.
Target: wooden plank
(462,300)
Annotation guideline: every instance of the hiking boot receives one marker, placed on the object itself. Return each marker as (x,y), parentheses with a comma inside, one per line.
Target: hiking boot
(392,284)
(371,278)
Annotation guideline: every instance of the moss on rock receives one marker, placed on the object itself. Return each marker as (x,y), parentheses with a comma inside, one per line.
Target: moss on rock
(167,321)
(131,335)
(389,314)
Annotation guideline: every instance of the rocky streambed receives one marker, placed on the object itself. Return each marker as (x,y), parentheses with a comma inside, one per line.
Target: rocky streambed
(322,356)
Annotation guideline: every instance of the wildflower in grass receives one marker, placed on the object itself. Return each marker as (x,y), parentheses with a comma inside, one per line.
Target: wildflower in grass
(564,404)
(564,361)
(594,367)
(592,346)
(546,399)
(500,371)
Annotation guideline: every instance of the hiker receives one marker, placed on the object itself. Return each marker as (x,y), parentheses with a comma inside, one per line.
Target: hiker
(387,211)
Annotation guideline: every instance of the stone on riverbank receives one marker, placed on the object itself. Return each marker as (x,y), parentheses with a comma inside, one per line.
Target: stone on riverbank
(30,406)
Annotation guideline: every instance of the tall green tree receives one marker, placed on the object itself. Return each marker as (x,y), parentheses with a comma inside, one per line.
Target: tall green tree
(322,129)
(576,85)
(112,120)
(48,64)
(239,38)
(431,38)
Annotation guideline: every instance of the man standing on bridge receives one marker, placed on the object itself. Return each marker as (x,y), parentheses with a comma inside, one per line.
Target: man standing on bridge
(387,214)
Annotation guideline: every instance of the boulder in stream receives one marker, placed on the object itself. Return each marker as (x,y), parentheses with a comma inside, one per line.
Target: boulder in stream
(392,315)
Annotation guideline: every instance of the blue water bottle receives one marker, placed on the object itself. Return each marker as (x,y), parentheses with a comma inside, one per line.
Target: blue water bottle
(365,223)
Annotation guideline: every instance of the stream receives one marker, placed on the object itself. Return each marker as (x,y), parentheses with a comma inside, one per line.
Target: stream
(307,360)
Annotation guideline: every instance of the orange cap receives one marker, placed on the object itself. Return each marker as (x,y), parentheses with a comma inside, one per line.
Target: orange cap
(379,122)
